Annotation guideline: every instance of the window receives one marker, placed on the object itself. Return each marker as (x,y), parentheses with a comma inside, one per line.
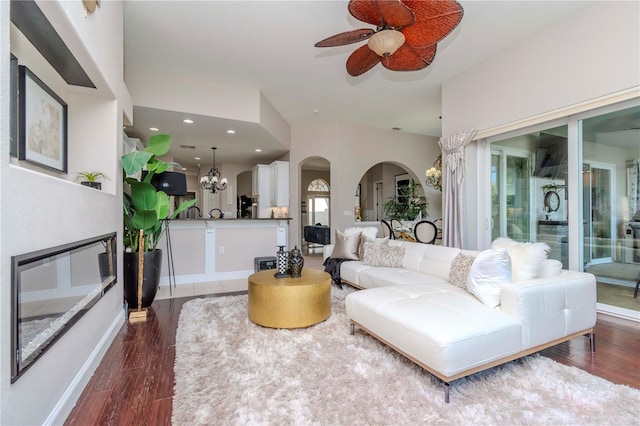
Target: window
(318,185)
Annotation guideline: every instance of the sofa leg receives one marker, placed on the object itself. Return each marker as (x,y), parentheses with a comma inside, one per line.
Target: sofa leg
(592,342)
(352,329)
(446,392)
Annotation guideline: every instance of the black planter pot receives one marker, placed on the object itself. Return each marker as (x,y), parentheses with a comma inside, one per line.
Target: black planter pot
(96,185)
(150,279)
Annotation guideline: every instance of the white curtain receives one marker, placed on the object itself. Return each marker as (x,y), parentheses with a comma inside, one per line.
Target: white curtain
(452,186)
(634,188)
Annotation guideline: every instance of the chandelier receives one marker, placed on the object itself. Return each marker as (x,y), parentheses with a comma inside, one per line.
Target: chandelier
(434,174)
(212,181)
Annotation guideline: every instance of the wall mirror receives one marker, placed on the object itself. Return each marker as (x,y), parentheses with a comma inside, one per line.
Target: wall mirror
(51,290)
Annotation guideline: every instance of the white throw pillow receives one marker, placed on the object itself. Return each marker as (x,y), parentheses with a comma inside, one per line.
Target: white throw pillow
(549,268)
(488,274)
(346,246)
(526,258)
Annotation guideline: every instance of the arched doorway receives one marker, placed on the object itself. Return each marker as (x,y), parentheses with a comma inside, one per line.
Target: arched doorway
(315,200)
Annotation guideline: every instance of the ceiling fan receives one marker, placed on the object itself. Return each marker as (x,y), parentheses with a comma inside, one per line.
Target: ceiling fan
(405,36)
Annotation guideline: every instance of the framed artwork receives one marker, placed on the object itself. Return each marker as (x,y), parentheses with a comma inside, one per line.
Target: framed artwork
(13,106)
(42,123)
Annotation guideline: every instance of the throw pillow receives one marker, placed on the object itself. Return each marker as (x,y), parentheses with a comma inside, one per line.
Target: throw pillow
(346,246)
(549,268)
(382,255)
(460,270)
(489,273)
(526,258)
(365,239)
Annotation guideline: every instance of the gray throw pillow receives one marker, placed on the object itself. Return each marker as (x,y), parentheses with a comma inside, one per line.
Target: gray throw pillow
(346,246)
(383,255)
(460,270)
(366,239)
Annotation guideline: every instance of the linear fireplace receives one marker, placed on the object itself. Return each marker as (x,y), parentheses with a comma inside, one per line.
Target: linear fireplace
(51,290)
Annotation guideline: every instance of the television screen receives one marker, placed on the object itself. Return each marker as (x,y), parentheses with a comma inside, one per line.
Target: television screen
(551,157)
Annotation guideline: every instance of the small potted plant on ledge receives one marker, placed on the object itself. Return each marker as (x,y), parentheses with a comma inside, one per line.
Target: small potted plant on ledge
(91,179)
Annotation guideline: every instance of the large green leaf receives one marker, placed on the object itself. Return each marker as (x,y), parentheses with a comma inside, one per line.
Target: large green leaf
(144,196)
(157,166)
(162,206)
(133,162)
(182,207)
(145,219)
(158,145)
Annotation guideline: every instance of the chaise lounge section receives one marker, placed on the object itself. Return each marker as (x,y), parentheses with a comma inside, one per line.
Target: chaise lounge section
(416,309)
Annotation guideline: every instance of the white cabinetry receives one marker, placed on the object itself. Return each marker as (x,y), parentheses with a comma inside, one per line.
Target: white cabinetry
(279,183)
(260,187)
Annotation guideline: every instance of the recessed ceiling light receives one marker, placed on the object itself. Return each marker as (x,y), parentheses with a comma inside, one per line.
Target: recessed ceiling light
(154,129)
(231,131)
(258,150)
(187,121)
(196,158)
(315,111)
(184,168)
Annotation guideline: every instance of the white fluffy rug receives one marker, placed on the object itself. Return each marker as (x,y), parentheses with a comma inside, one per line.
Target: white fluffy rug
(231,371)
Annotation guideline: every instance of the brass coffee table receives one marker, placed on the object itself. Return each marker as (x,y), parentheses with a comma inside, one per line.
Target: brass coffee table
(289,302)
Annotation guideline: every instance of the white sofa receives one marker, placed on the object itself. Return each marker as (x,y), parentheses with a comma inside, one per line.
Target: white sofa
(447,330)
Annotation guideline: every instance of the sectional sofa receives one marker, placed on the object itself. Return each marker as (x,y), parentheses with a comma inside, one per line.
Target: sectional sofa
(423,307)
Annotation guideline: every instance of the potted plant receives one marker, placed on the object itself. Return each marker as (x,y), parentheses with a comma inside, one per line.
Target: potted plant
(91,179)
(407,205)
(146,216)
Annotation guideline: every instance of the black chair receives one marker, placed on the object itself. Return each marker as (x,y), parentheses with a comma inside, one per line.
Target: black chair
(386,229)
(425,232)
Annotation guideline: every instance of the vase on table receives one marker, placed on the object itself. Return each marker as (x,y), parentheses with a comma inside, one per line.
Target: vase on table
(296,262)
(282,263)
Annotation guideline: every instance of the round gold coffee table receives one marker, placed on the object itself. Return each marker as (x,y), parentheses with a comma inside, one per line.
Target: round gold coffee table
(289,302)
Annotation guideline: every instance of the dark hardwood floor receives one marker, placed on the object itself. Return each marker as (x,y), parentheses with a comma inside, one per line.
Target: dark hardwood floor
(134,382)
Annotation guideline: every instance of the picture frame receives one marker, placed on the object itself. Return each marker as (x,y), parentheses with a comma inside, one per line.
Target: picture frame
(42,120)
(13,106)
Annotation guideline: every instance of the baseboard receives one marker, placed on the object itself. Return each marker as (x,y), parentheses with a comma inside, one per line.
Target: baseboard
(69,398)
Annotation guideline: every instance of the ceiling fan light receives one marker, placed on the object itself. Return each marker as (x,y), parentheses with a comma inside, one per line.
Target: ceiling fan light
(386,42)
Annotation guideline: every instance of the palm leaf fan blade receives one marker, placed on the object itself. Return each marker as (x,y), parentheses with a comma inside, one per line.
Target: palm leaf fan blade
(381,12)
(434,20)
(409,58)
(361,61)
(347,37)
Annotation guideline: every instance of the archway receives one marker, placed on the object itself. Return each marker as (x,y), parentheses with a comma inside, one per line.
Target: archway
(315,203)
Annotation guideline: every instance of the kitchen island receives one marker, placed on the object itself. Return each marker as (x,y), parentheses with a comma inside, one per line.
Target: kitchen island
(213,250)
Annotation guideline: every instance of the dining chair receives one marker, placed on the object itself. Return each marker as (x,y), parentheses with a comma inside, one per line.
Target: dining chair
(395,228)
(425,232)
(386,229)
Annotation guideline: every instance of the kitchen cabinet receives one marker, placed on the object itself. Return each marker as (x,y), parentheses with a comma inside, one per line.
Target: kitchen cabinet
(260,188)
(279,183)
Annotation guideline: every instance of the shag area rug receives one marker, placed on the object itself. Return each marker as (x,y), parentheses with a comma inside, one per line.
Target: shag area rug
(231,371)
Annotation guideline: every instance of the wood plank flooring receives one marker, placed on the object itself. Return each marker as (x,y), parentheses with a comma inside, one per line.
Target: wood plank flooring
(134,382)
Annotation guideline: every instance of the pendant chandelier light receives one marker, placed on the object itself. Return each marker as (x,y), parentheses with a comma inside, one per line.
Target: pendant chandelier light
(212,181)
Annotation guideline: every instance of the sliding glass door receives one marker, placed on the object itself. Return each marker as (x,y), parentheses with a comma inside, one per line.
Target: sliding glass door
(510,194)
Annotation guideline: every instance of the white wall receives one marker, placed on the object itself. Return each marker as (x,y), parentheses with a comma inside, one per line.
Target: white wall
(45,209)
(352,150)
(589,55)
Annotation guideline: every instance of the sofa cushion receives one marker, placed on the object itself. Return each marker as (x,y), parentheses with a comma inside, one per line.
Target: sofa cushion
(369,231)
(382,255)
(350,271)
(437,324)
(526,258)
(346,246)
(382,277)
(488,274)
(436,260)
(460,267)
(549,268)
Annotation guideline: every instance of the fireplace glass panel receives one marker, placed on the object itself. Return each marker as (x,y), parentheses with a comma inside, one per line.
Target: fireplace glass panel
(52,289)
